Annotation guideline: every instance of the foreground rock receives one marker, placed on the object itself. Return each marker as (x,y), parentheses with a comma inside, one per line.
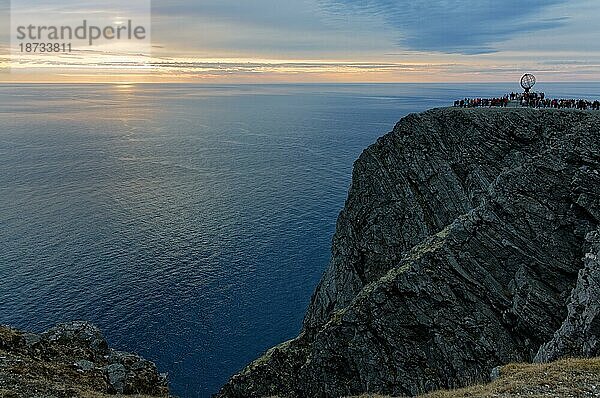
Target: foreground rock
(72,360)
(460,244)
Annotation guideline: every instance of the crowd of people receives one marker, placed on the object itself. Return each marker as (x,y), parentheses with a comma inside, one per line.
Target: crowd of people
(482,102)
(563,104)
(532,100)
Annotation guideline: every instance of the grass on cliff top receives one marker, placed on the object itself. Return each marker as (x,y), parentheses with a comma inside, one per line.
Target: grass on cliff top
(565,378)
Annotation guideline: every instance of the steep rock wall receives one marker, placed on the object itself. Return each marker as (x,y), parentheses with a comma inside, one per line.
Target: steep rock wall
(457,250)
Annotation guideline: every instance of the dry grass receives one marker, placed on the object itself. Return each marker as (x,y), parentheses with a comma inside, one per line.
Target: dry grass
(565,378)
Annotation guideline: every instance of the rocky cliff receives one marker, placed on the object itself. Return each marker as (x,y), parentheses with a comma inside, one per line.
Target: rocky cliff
(578,336)
(469,240)
(72,360)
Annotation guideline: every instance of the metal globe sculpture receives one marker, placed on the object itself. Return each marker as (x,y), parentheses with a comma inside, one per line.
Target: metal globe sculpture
(527,82)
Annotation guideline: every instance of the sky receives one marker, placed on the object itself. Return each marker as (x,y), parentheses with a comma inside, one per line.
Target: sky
(313,41)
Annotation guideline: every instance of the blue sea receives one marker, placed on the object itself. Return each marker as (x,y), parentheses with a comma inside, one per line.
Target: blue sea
(190,222)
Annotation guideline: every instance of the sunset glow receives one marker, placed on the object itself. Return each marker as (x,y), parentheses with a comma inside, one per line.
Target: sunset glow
(315,42)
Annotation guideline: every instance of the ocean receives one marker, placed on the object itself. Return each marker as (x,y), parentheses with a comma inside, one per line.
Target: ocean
(190,222)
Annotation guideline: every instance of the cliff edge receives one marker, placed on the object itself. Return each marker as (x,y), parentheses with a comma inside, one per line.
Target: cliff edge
(469,240)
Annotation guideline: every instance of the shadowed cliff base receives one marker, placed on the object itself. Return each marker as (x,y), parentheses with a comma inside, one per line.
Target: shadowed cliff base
(468,241)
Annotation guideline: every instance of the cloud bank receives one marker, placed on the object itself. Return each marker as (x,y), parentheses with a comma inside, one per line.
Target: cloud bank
(454,26)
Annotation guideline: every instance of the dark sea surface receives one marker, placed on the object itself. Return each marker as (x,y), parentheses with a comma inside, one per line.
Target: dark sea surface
(191,223)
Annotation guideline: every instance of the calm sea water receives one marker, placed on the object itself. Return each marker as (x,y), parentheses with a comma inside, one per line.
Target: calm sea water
(191,223)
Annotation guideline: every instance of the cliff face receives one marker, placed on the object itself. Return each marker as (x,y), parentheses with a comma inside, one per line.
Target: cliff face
(579,334)
(458,250)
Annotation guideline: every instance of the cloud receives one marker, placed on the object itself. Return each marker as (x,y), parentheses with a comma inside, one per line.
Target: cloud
(288,15)
(454,26)
(266,28)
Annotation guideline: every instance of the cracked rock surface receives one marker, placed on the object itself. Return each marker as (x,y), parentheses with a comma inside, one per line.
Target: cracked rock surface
(578,336)
(469,239)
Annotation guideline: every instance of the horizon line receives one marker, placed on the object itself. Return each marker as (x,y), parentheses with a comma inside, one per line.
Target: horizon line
(283,83)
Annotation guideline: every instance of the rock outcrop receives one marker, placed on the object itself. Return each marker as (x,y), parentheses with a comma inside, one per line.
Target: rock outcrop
(457,250)
(72,360)
(578,336)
